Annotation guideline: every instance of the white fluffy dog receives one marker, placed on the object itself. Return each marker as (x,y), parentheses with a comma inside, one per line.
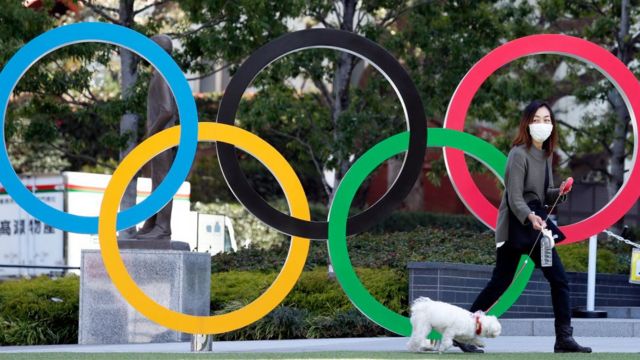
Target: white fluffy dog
(450,321)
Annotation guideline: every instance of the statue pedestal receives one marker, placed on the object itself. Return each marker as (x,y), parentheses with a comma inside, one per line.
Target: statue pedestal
(178,280)
(153,244)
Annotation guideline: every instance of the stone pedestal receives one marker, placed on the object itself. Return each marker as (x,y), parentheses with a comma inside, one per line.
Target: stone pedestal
(178,280)
(152,244)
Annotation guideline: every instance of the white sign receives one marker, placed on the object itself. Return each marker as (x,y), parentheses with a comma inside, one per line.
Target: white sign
(215,234)
(24,239)
(84,193)
(634,278)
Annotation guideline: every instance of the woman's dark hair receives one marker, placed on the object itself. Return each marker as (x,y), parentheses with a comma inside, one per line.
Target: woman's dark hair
(524,137)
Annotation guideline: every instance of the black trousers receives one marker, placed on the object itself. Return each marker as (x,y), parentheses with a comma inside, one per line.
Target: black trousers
(507,258)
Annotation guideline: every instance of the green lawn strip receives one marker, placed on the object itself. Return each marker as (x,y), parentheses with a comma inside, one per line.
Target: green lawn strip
(315,355)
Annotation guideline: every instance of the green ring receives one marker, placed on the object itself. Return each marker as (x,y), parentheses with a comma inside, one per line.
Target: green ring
(338,214)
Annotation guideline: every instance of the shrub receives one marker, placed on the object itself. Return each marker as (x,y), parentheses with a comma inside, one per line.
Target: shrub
(575,257)
(344,324)
(395,250)
(401,221)
(319,295)
(314,292)
(26,332)
(371,250)
(243,286)
(282,323)
(39,311)
(316,307)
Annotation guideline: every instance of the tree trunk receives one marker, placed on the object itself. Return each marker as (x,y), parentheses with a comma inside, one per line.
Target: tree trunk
(622,124)
(618,146)
(341,83)
(129,121)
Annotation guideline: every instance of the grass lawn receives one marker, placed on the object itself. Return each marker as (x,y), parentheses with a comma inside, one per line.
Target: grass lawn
(316,355)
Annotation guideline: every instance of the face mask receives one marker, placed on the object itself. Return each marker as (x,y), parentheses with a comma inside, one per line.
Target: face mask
(540,132)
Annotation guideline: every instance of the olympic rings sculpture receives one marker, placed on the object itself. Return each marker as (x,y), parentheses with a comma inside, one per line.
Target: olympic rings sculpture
(452,139)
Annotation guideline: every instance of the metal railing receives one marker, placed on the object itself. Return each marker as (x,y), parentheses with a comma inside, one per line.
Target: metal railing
(40,267)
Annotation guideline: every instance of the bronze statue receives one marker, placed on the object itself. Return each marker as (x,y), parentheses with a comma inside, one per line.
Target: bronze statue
(162,113)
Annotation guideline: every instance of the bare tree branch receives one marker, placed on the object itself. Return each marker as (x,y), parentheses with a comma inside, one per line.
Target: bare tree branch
(321,99)
(101,10)
(326,95)
(361,18)
(601,141)
(209,24)
(316,164)
(98,6)
(69,153)
(392,16)
(635,39)
(322,18)
(157,3)
(569,25)
(572,157)
(597,8)
(81,156)
(214,71)
(336,12)
(319,168)
(72,100)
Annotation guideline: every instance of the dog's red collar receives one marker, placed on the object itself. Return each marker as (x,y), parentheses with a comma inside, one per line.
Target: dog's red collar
(478,326)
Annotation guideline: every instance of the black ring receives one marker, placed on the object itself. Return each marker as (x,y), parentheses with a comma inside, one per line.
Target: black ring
(356,45)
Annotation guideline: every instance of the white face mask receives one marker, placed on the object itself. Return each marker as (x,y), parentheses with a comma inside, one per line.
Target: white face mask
(540,132)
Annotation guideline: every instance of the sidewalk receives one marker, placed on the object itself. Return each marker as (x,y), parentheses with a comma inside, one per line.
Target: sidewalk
(543,344)
(611,328)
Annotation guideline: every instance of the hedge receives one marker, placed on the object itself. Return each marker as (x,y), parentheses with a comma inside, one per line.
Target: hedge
(314,292)
(45,311)
(575,257)
(286,322)
(316,307)
(395,250)
(39,311)
(370,250)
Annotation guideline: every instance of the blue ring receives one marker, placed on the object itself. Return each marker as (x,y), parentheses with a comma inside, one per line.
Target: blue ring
(143,46)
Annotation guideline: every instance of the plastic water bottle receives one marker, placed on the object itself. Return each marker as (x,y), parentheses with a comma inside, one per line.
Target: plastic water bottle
(546,258)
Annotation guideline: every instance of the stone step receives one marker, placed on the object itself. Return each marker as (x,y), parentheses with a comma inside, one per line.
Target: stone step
(621,312)
(581,327)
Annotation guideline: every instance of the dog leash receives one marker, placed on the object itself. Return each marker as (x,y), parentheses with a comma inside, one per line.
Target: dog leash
(534,244)
(545,221)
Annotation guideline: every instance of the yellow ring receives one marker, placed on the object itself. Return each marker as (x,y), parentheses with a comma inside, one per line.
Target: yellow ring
(217,324)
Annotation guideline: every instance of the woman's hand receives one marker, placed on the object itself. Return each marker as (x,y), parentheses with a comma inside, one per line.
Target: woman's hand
(566,185)
(536,221)
(549,234)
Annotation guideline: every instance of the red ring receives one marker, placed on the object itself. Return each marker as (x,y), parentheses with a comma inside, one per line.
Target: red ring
(624,81)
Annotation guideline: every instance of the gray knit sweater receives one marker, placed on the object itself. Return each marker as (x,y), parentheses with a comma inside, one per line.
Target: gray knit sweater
(524,181)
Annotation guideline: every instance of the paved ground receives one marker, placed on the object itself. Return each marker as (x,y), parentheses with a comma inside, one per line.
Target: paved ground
(499,345)
(612,328)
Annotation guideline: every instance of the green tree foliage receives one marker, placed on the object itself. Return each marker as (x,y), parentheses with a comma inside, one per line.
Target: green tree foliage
(321,120)
(614,26)
(66,109)
(320,108)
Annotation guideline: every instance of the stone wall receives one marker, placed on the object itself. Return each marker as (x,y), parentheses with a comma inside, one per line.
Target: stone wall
(459,284)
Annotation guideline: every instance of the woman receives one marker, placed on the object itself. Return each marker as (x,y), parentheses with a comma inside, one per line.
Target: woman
(526,178)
